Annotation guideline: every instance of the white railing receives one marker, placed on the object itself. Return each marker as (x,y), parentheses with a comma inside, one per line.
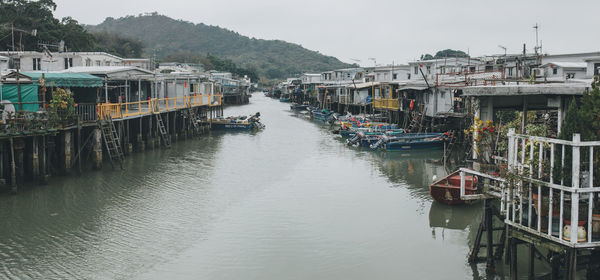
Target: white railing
(548,183)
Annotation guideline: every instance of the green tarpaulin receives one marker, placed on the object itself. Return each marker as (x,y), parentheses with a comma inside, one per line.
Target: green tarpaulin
(29,93)
(66,79)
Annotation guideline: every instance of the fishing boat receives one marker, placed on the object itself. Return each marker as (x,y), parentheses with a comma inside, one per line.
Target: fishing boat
(322,115)
(238,123)
(410,141)
(349,133)
(447,190)
(285,98)
(299,107)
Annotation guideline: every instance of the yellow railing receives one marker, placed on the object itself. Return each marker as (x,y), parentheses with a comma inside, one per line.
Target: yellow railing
(137,108)
(391,104)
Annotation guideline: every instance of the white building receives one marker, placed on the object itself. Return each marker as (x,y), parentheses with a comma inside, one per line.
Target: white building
(562,71)
(308,78)
(387,74)
(3,64)
(593,66)
(42,61)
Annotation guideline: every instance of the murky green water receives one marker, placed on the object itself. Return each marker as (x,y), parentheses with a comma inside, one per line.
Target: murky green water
(289,202)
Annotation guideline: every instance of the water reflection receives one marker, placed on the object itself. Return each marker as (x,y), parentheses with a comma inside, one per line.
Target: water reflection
(289,202)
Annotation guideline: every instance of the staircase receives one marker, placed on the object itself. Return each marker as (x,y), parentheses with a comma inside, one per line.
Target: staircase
(166,140)
(110,137)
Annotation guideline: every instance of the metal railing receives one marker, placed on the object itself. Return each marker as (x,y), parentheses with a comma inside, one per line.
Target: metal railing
(548,183)
(137,108)
(86,111)
(391,104)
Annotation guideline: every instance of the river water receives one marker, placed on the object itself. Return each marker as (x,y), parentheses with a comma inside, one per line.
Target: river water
(289,202)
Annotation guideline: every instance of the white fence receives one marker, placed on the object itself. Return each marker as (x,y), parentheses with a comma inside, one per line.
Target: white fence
(547,184)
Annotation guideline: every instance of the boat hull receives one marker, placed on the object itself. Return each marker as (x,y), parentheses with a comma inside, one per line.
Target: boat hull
(415,145)
(447,190)
(232,126)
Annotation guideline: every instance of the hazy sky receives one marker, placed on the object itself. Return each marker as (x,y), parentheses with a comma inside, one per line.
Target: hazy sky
(387,30)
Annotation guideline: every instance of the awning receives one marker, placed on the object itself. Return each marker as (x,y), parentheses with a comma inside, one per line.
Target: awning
(66,79)
(364,85)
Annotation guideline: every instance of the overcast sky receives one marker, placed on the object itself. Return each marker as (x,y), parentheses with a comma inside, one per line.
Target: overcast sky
(387,30)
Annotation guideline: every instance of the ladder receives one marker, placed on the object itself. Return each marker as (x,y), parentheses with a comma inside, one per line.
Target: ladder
(450,145)
(494,251)
(162,130)
(193,119)
(417,118)
(110,137)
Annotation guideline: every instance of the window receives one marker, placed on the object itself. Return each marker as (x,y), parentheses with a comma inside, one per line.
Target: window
(408,76)
(472,69)
(416,70)
(570,75)
(428,69)
(510,71)
(554,71)
(36,64)
(395,76)
(489,68)
(68,62)
(88,62)
(98,62)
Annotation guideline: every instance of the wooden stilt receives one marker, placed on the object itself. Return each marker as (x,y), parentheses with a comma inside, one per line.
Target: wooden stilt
(489,226)
(531,261)
(13,166)
(572,265)
(513,259)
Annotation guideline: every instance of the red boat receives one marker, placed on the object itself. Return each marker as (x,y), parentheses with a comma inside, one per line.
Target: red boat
(447,190)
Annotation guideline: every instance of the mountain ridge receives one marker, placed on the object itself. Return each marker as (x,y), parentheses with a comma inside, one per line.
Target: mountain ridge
(269,58)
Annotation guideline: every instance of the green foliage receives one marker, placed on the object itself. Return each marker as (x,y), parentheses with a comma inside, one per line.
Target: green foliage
(450,53)
(583,117)
(447,53)
(30,15)
(118,45)
(26,16)
(268,58)
(61,107)
(426,56)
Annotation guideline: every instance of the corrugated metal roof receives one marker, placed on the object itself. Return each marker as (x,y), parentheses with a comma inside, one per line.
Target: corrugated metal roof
(104,70)
(66,79)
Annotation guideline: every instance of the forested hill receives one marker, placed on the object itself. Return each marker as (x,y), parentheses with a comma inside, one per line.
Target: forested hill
(168,37)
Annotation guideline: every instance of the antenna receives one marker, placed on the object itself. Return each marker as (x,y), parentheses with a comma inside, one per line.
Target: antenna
(374,61)
(504,48)
(536,27)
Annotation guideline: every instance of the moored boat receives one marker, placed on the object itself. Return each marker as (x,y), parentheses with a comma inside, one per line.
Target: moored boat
(299,107)
(238,123)
(410,141)
(447,190)
(322,115)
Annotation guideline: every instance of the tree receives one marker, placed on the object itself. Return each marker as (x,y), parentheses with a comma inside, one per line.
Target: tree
(119,45)
(426,56)
(447,53)
(583,116)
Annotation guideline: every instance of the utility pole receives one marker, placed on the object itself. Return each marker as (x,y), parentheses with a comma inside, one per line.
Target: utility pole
(12,34)
(537,47)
